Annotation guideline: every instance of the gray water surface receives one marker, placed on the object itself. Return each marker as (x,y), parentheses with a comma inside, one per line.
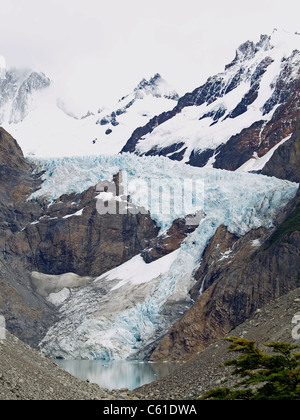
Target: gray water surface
(116,375)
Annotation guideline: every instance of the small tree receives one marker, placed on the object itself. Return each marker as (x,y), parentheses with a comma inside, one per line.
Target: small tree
(264,376)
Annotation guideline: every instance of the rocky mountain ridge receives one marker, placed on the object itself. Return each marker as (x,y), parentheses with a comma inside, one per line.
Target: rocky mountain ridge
(236,116)
(155,87)
(232,291)
(98,132)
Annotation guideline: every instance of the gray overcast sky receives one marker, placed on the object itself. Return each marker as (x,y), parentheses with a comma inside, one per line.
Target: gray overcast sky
(98,50)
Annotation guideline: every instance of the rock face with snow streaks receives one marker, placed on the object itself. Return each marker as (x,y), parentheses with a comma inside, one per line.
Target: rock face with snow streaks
(237,115)
(285,162)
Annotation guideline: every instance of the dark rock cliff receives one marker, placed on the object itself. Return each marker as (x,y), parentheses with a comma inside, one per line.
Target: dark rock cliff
(285,163)
(26,314)
(258,137)
(71,236)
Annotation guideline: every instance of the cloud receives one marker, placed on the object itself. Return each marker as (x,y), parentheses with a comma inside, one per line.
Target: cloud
(2,67)
(97,50)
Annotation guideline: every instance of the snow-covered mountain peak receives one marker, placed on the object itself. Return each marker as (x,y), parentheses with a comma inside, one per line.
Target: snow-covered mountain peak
(157,87)
(245,51)
(285,41)
(152,119)
(279,43)
(232,117)
(24,99)
(105,132)
(18,90)
(152,81)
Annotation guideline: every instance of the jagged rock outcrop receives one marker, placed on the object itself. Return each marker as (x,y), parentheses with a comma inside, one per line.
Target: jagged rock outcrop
(71,236)
(171,240)
(156,87)
(236,277)
(17,180)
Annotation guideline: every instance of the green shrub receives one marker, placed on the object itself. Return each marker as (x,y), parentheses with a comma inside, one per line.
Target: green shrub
(263,376)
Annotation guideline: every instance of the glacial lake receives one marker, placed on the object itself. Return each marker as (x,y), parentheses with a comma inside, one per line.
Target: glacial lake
(116,375)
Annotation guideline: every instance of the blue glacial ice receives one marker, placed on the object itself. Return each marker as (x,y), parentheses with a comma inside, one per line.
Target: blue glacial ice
(232,196)
(118,324)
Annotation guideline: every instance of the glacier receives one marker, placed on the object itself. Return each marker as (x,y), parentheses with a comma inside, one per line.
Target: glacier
(119,314)
(224,191)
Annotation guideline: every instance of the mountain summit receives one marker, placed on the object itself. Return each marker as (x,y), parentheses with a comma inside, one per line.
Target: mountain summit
(238,117)
(157,87)
(146,90)
(235,121)
(18,89)
(105,132)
